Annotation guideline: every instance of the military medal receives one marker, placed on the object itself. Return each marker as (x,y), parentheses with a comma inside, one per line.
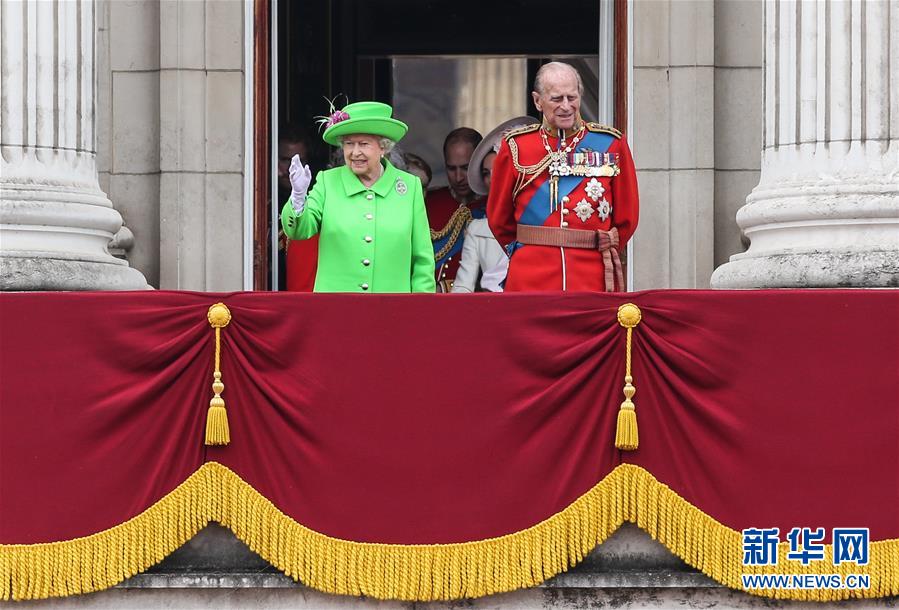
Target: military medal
(559,165)
(583,210)
(595,189)
(604,209)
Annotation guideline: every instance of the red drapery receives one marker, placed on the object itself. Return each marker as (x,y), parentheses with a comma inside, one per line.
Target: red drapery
(354,417)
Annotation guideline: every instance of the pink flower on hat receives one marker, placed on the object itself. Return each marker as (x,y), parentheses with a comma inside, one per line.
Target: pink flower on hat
(336,117)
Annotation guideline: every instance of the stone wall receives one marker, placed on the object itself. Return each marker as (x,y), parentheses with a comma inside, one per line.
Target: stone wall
(697,106)
(674,146)
(128,122)
(171,145)
(739,116)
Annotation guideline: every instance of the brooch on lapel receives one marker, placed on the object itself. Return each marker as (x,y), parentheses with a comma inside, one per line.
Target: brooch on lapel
(401,187)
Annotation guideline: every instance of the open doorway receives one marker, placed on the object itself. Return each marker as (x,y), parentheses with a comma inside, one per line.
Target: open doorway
(440,64)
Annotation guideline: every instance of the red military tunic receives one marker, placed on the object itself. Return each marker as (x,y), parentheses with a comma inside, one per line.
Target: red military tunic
(441,206)
(302,262)
(588,202)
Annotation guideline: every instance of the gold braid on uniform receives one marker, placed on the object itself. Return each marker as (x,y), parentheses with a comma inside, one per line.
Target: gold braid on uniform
(600,128)
(454,227)
(526,173)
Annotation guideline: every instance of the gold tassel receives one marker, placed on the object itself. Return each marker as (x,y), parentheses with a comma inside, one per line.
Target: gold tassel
(627,436)
(217,431)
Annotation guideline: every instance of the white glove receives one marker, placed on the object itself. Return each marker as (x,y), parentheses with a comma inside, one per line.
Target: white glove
(300,178)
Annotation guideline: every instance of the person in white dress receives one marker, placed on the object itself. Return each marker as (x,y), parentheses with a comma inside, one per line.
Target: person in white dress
(484,263)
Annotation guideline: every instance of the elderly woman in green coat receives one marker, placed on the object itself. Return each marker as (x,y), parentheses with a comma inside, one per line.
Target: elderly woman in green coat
(371,216)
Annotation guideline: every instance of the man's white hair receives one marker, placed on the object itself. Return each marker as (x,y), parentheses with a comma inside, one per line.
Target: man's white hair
(386,143)
(556,67)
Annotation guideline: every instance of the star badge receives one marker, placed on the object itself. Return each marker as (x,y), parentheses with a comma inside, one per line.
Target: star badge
(604,209)
(583,210)
(595,189)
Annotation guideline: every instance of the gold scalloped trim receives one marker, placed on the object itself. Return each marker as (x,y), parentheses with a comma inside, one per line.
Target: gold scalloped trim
(104,559)
(414,572)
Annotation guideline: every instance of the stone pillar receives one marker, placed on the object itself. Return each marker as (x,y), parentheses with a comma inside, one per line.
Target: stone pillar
(826,210)
(56,222)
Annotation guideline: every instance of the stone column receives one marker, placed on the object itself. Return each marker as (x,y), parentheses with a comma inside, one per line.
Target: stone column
(826,210)
(56,222)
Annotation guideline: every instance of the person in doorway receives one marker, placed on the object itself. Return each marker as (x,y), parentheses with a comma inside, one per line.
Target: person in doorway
(563,198)
(483,262)
(370,215)
(418,166)
(451,208)
(298,258)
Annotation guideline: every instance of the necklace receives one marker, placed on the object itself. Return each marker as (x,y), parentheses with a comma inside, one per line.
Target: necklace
(561,155)
(558,165)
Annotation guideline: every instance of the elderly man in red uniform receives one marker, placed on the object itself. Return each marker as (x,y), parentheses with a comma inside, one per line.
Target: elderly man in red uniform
(452,207)
(563,198)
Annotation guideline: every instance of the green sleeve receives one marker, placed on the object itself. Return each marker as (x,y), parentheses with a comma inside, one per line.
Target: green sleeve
(422,248)
(309,222)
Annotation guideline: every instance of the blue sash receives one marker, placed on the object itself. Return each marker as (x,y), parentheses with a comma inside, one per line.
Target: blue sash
(537,210)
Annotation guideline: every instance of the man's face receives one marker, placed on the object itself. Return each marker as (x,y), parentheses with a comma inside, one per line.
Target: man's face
(286,151)
(457,156)
(560,101)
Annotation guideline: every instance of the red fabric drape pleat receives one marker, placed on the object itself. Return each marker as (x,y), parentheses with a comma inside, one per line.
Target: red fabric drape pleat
(101,400)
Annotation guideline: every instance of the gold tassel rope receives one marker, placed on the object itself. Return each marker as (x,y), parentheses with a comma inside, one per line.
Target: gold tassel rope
(627,437)
(217,432)
(424,572)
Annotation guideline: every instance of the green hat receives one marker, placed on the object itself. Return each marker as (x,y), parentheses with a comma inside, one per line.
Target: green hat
(364,117)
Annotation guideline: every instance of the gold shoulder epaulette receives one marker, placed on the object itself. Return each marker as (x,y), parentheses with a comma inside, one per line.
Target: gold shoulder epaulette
(598,128)
(521,130)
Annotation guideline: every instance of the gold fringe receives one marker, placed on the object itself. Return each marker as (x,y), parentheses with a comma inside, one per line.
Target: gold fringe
(414,572)
(104,559)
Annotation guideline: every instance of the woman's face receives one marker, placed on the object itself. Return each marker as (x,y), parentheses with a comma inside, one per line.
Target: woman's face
(362,153)
(487,168)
